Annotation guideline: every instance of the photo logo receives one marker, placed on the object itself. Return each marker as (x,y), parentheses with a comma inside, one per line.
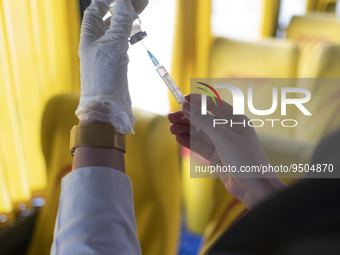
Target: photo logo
(212,89)
(204,97)
(240,101)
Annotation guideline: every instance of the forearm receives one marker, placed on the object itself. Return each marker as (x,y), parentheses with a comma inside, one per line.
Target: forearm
(96,210)
(99,156)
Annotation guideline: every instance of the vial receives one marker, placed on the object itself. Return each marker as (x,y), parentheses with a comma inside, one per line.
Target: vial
(136,33)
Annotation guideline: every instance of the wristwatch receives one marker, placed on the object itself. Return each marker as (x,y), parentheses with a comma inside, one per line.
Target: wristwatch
(96,135)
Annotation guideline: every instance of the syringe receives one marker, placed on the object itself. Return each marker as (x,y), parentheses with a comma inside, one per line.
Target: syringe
(169,82)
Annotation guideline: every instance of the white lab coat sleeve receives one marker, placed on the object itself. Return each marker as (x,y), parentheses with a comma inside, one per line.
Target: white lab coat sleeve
(96,214)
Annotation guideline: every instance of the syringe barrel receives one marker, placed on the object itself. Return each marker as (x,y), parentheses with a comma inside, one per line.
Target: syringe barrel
(175,91)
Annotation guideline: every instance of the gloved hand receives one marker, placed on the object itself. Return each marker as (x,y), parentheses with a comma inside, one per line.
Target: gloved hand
(103,56)
(224,145)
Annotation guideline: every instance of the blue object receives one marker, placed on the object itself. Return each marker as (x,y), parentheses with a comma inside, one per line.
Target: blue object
(189,242)
(153,59)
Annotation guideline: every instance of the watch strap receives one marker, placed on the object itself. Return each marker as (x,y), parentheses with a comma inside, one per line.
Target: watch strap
(96,135)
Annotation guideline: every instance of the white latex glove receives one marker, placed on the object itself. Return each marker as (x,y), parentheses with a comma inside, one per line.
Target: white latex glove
(223,145)
(103,64)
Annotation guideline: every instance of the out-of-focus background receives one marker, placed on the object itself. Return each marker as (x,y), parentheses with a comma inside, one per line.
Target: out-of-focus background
(39,92)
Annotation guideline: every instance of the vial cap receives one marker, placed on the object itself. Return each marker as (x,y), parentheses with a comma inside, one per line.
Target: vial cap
(137,37)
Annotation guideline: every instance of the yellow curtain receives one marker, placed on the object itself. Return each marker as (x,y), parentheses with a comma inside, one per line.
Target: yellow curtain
(5,202)
(13,158)
(38,53)
(192,42)
(270,15)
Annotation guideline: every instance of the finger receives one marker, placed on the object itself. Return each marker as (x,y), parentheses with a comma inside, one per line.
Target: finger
(179,129)
(123,14)
(219,111)
(183,140)
(207,125)
(139,5)
(197,100)
(178,117)
(203,122)
(224,112)
(196,145)
(187,129)
(99,7)
(93,26)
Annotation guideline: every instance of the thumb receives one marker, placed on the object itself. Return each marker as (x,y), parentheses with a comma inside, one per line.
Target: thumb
(123,15)
(202,122)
